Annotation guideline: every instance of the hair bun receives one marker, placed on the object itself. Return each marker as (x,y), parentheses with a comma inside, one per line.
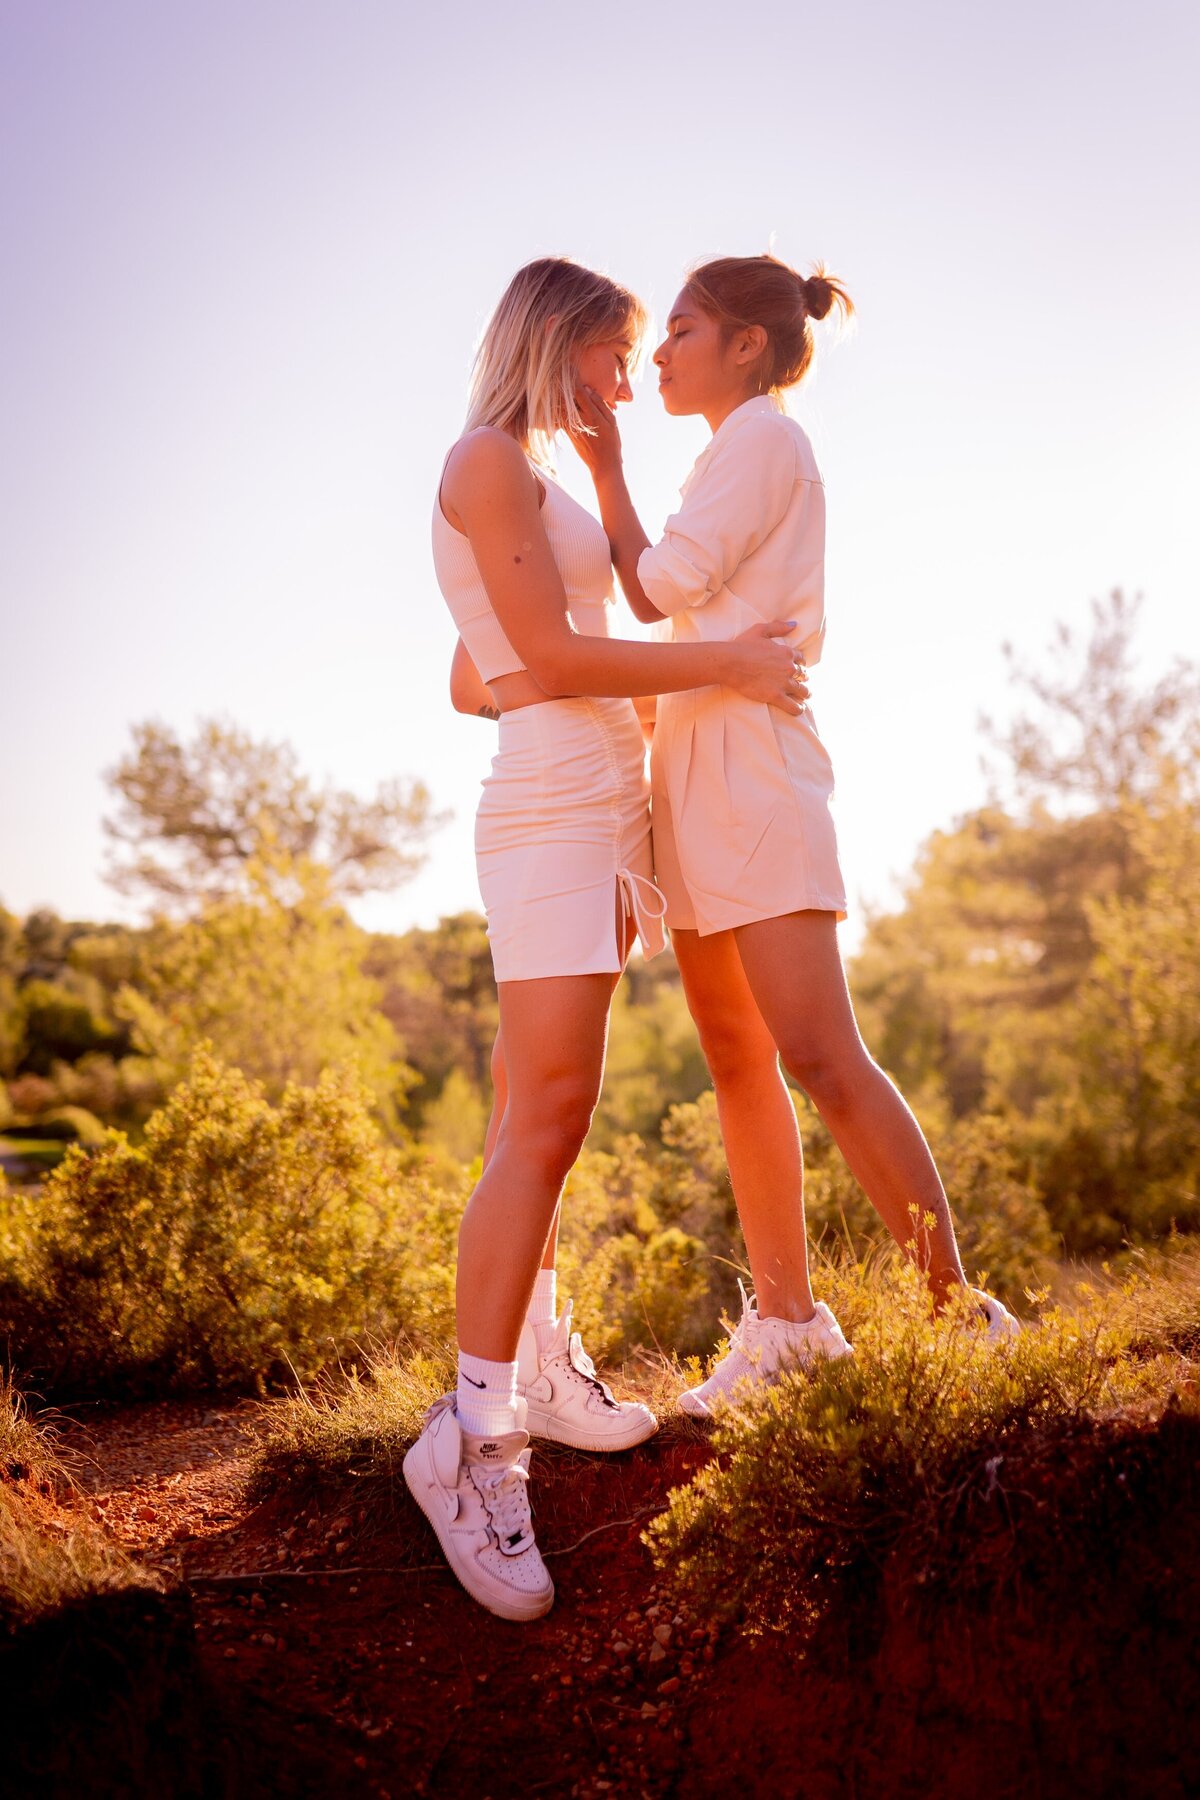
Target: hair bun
(818,296)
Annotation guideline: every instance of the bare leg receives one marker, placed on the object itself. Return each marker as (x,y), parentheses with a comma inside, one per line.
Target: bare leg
(499,1098)
(554,1039)
(795,973)
(547,1067)
(499,1101)
(758,1121)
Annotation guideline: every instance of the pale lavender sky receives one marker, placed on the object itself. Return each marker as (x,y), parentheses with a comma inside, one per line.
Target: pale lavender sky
(248,248)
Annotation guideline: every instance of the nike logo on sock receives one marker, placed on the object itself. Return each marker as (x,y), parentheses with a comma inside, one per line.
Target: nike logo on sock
(471,1379)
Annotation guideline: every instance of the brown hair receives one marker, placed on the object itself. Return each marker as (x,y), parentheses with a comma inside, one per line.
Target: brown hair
(740,291)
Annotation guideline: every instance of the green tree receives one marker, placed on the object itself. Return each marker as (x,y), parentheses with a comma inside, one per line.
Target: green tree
(190,819)
(12,1019)
(1096,736)
(1128,1084)
(273,980)
(1041,969)
(439,994)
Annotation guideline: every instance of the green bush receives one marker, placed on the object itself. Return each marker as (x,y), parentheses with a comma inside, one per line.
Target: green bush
(636,1278)
(62,1024)
(820,1479)
(239,1241)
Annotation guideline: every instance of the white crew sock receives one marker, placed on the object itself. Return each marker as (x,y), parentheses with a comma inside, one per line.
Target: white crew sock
(543,1306)
(486,1400)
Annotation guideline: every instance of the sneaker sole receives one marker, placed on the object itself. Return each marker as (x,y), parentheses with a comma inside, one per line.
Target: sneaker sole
(545,1425)
(516,1611)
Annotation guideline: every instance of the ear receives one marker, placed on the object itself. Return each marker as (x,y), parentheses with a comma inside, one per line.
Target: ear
(750,344)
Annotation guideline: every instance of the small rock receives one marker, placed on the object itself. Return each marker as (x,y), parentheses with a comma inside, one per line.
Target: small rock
(670,1686)
(267,1641)
(256,1600)
(620,1647)
(148,1514)
(649,1710)
(341,1547)
(657,1653)
(662,1634)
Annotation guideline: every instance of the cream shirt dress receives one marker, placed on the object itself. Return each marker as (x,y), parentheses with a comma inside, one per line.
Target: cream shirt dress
(740,790)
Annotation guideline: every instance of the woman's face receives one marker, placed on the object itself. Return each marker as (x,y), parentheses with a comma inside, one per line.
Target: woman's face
(690,360)
(605,369)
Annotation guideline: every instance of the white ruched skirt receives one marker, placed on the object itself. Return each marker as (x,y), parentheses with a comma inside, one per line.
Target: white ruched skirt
(562,841)
(742,825)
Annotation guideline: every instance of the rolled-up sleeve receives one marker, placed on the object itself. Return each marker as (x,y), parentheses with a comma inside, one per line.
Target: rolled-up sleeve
(729,508)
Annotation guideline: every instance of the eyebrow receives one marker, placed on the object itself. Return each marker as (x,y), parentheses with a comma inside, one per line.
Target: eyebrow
(680,315)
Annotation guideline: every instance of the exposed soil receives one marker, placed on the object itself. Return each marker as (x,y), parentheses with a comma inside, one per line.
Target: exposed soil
(324,1653)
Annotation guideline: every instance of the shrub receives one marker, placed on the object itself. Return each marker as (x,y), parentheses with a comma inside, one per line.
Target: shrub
(240,1240)
(820,1479)
(61,1024)
(635,1280)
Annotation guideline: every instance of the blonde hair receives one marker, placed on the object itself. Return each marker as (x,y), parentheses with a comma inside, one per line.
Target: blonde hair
(523,378)
(738,291)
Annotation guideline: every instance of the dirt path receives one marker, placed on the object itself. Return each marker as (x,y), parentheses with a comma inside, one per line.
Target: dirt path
(359,1645)
(338,1659)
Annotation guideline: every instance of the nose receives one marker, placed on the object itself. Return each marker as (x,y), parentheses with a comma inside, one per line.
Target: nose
(624,390)
(659,358)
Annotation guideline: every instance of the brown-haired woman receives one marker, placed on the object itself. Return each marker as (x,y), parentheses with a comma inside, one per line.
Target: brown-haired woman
(744,843)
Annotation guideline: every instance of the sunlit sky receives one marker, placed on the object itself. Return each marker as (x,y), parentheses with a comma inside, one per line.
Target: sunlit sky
(249,248)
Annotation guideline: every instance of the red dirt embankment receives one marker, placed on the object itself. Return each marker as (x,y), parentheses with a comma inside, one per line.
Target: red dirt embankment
(333,1655)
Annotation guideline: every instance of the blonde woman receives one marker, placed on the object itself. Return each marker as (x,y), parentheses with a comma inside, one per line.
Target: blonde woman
(744,844)
(565,870)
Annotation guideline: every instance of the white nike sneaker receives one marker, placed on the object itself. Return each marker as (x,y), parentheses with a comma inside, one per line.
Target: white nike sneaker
(473,1492)
(760,1348)
(1001,1324)
(566,1398)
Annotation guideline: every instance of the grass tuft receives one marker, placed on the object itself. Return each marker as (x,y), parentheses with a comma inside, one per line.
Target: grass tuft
(46,1562)
(821,1482)
(354,1426)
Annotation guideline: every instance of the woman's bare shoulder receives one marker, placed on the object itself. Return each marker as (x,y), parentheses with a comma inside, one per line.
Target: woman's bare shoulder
(486,451)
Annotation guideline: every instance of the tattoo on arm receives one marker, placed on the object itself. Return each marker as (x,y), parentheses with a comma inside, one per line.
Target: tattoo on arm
(489,712)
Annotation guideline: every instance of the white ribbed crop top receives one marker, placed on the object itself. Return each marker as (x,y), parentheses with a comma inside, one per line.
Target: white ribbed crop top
(579,545)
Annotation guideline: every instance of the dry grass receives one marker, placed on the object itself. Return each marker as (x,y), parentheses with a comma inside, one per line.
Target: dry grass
(47,1558)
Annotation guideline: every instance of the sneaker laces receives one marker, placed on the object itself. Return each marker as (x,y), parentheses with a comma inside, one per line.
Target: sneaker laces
(741,1345)
(503,1492)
